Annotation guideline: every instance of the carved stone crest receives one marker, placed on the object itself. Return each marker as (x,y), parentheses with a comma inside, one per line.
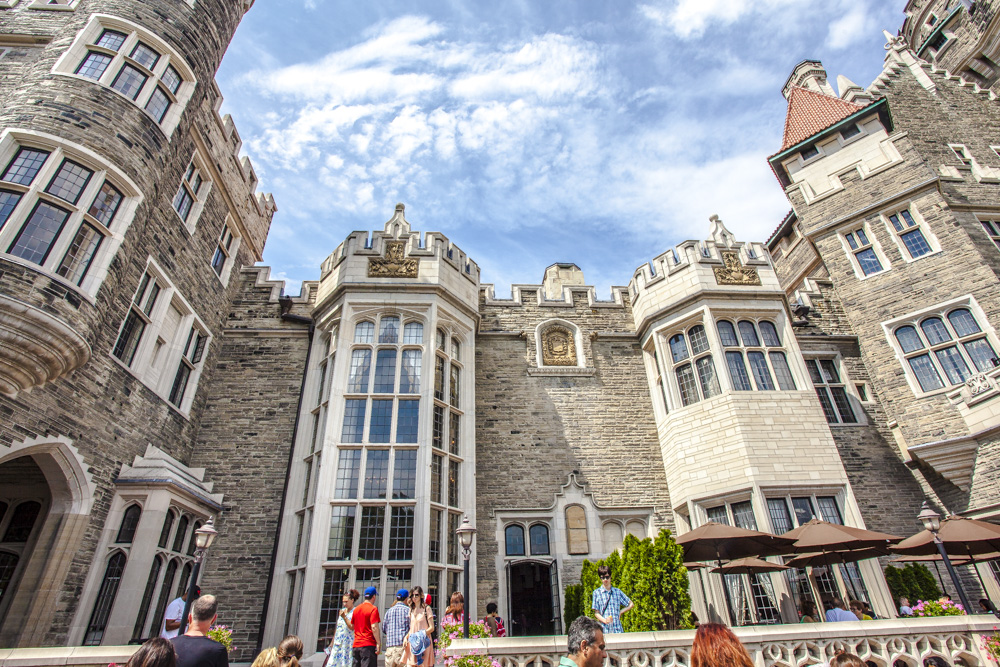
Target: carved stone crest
(978,384)
(558,347)
(734,273)
(395,264)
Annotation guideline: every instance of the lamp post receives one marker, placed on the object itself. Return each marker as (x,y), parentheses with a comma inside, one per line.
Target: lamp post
(466,533)
(932,522)
(203,538)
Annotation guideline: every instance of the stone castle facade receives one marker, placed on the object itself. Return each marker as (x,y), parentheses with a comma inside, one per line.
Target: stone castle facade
(153,377)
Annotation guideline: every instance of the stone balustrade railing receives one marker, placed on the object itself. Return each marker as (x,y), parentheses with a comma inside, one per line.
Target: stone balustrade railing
(890,643)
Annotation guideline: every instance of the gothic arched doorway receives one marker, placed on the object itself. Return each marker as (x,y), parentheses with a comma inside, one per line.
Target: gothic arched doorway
(25,499)
(533,590)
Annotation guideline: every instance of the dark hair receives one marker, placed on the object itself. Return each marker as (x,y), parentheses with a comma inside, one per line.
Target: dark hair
(809,609)
(416,596)
(352,594)
(290,651)
(583,629)
(603,570)
(491,608)
(715,645)
(846,660)
(205,608)
(837,602)
(156,652)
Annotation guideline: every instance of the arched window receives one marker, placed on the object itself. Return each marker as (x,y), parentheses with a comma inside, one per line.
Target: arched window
(8,563)
(192,543)
(168,523)
(185,580)
(130,521)
(577,541)
(182,527)
(768,366)
(413,333)
(388,331)
(514,536)
(364,332)
(946,349)
(105,600)
(165,590)
(539,535)
(696,380)
(147,599)
(22,521)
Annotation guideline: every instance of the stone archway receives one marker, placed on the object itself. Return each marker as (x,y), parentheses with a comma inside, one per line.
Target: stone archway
(69,498)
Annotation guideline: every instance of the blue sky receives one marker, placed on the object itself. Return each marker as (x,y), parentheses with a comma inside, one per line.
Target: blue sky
(529,131)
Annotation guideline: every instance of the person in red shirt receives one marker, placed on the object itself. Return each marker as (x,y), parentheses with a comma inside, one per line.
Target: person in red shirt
(367,640)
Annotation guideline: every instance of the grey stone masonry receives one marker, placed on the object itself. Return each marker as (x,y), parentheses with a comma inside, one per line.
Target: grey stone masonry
(533,430)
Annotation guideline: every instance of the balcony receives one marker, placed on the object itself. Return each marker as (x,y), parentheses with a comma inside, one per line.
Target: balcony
(888,643)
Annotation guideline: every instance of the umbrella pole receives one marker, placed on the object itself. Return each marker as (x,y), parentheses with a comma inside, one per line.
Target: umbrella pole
(729,602)
(704,595)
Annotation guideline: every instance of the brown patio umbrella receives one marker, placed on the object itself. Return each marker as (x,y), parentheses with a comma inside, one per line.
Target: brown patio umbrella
(716,541)
(749,566)
(819,535)
(833,558)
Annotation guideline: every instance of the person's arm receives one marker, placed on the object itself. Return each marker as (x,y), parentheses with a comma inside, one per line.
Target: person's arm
(347,615)
(629,604)
(597,612)
(173,617)
(378,639)
(429,617)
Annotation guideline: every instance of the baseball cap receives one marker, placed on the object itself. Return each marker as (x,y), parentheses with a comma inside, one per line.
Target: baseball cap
(370,591)
(402,594)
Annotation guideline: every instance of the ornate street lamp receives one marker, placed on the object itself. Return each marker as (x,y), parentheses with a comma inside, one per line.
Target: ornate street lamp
(466,534)
(932,522)
(203,538)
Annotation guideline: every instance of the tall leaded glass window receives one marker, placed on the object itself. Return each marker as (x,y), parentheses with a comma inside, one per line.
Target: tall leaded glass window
(105,600)
(693,366)
(514,537)
(755,345)
(831,390)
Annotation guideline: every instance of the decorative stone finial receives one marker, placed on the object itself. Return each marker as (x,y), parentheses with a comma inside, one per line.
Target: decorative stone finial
(718,232)
(400,207)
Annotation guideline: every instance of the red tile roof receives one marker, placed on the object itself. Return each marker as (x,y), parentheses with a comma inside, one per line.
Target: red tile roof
(810,112)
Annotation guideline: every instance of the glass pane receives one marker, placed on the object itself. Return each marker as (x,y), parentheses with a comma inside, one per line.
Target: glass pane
(8,200)
(171,79)
(361,362)
(380,427)
(454,520)
(453,384)
(130,521)
(404,475)
(915,243)
(851,241)
(829,510)
(407,421)
(370,538)
(94,65)
(728,334)
(168,523)
(388,331)
(35,239)
(935,331)
(105,600)
(409,376)
(376,473)
(761,373)
(25,165)
(147,597)
(814,373)
(128,339)
(514,536)
(158,104)
(908,339)
(334,584)
(111,40)
(348,467)
(830,373)
(749,333)
(106,204)
(827,404)
(781,371)
(454,433)
(678,348)
(181,534)
(769,333)
(707,377)
(953,364)
(434,543)
(539,535)
(862,236)
(453,473)
(698,338)
(413,333)
(843,405)
(963,321)
(868,261)
(129,82)
(439,378)
(385,372)
(804,512)
(442,340)
(718,514)
(743,515)
(436,474)
(686,385)
(981,353)
(896,224)
(364,332)
(738,372)
(182,202)
(401,535)
(145,55)
(81,251)
(437,427)
(781,520)
(354,420)
(69,181)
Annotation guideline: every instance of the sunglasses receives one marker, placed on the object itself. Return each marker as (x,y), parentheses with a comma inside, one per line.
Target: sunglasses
(607,576)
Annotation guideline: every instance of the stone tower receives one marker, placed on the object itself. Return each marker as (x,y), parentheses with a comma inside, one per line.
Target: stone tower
(956,35)
(125,211)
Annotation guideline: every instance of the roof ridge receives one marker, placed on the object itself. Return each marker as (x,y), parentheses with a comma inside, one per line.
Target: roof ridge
(810,111)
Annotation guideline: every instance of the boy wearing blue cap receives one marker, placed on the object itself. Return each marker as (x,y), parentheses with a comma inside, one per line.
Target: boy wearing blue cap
(395,628)
(366,635)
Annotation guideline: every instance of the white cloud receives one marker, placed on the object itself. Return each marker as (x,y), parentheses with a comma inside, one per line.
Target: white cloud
(857,24)
(690,18)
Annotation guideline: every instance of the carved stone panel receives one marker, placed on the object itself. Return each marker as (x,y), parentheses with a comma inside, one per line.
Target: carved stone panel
(577,541)
(558,347)
(395,264)
(734,273)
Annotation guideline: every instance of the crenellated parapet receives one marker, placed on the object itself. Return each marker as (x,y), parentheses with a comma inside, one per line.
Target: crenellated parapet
(398,258)
(719,265)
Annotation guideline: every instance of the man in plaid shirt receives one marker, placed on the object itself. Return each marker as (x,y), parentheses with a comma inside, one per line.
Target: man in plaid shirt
(609,603)
(395,628)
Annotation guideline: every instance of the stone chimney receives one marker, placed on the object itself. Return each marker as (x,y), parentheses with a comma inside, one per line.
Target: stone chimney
(808,74)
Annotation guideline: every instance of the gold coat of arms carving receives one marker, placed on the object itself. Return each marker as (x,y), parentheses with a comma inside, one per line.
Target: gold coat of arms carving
(395,264)
(734,273)
(558,347)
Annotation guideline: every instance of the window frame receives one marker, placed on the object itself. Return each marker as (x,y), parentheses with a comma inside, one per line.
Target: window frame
(904,215)
(227,251)
(690,362)
(845,382)
(761,348)
(942,311)
(197,196)
(991,227)
(85,43)
(79,213)
(853,253)
(156,361)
